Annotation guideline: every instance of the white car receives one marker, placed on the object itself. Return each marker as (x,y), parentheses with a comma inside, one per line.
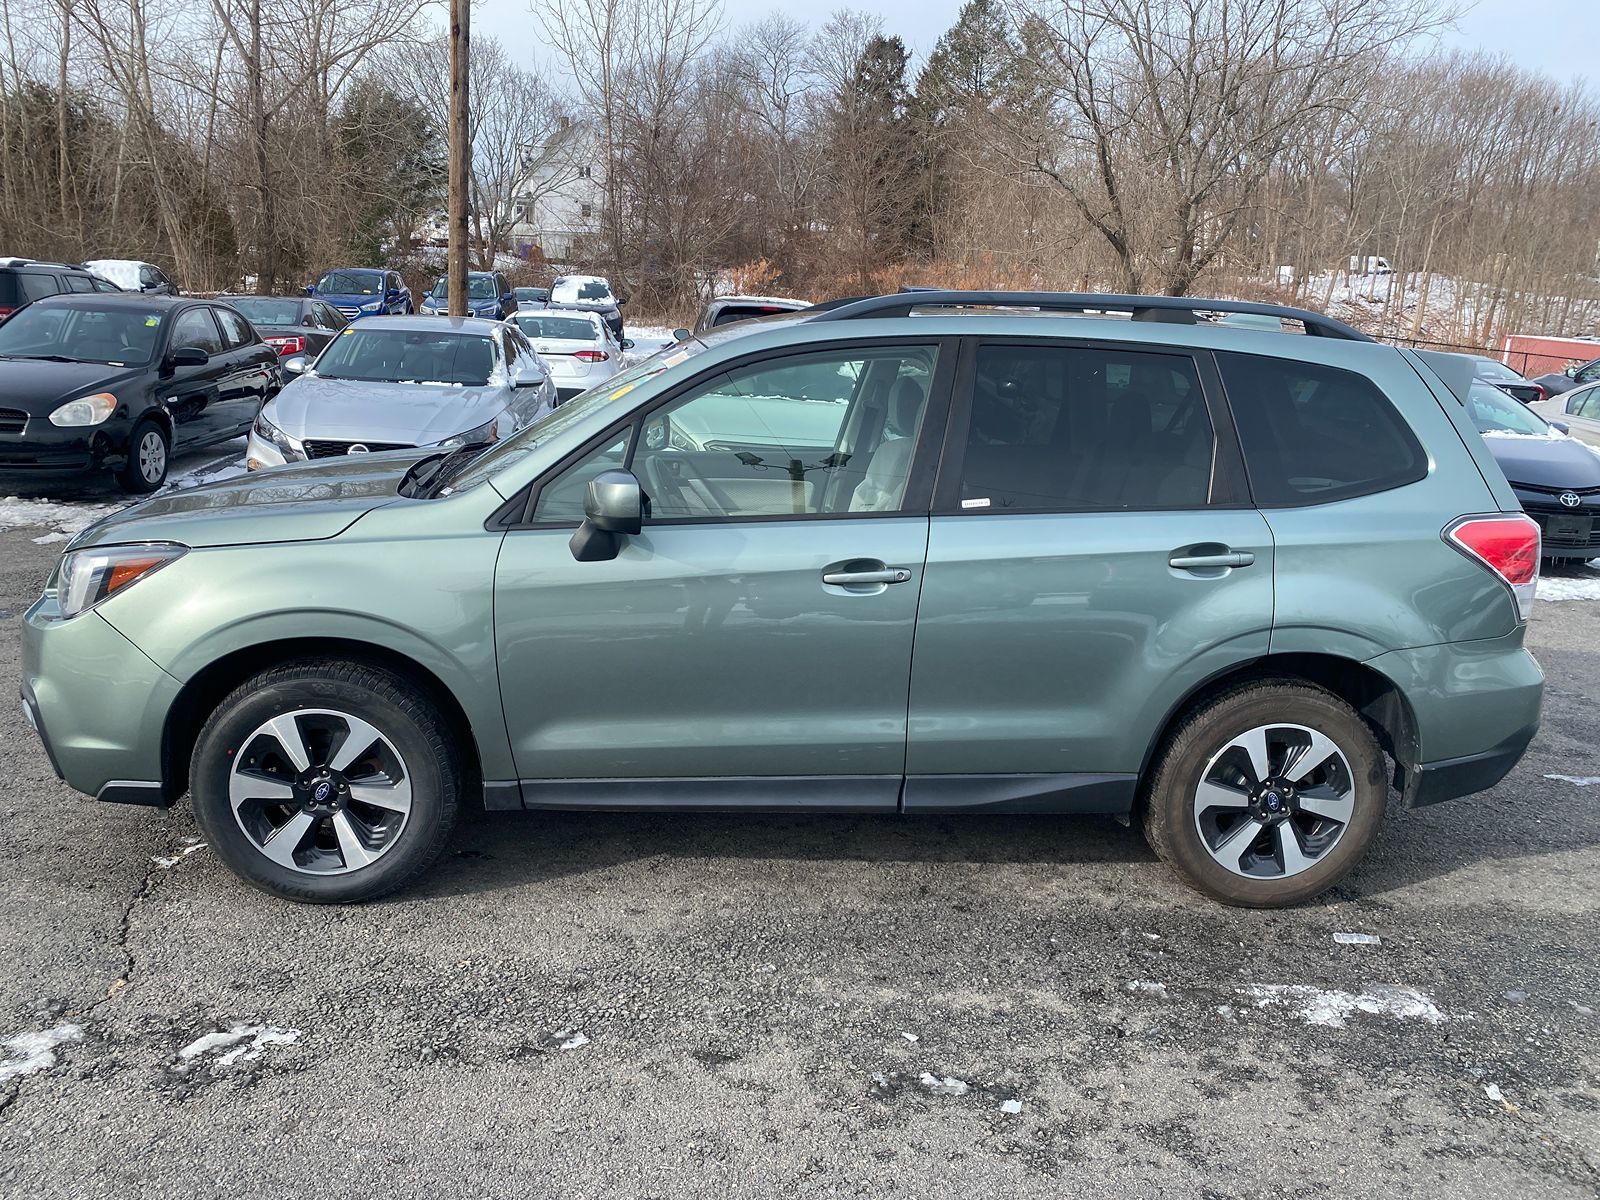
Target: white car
(1578,410)
(131,275)
(577,345)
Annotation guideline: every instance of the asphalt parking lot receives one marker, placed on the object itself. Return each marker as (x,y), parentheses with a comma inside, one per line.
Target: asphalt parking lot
(632,1006)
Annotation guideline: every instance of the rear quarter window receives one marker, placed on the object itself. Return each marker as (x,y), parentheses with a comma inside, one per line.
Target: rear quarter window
(1313,434)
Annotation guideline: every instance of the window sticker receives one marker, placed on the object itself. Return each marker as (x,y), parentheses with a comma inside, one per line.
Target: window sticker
(152,321)
(981,502)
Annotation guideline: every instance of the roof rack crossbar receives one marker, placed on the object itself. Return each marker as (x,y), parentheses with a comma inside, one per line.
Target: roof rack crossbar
(1175,309)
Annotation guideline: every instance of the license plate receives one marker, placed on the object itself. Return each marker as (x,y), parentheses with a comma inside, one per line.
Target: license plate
(1568,525)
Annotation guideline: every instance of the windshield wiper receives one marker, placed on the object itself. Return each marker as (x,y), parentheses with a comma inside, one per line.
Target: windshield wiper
(48,358)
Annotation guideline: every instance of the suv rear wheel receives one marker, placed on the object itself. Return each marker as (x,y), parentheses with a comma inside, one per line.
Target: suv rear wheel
(326,781)
(1267,795)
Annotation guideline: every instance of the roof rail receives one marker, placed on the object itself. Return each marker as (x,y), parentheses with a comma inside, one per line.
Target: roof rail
(1180,310)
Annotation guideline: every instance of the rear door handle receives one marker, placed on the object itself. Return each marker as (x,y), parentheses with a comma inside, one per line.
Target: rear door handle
(1228,558)
(891,575)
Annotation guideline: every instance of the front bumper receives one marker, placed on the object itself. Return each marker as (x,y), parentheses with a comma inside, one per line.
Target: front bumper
(1564,532)
(46,451)
(98,704)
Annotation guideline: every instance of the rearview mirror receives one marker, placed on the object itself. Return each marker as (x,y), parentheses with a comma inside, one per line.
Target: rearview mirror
(188,356)
(613,505)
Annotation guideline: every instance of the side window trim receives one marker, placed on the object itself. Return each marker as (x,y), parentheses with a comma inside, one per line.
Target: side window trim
(1227,485)
(517,513)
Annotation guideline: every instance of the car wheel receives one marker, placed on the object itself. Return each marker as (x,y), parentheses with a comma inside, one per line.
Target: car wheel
(326,781)
(149,455)
(1267,795)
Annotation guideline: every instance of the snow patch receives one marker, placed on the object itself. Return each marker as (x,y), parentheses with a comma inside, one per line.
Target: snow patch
(1580,780)
(1358,939)
(1560,587)
(572,1039)
(1011,1107)
(167,861)
(32,1052)
(63,516)
(948,1085)
(1317,1006)
(1147,987)
(239,1042)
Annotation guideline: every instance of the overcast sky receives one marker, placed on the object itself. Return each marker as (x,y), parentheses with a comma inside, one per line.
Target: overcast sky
(1560,37)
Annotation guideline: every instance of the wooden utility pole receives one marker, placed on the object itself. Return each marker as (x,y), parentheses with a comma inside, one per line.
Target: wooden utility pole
(460,153)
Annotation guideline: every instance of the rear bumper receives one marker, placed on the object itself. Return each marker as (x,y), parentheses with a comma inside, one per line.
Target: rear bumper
(1453,777)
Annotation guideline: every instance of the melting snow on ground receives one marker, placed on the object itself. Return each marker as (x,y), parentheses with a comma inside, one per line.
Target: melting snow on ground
(948,1085)
(29,1053)
(238,1042)
(1569,587)
(1317,1006)
(1580,780)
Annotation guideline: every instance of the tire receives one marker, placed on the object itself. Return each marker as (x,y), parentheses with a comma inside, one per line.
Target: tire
(346,836)
(149,457)
(1330,810)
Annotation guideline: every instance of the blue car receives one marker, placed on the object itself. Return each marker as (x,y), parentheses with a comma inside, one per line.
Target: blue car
(489,295)
(363,292)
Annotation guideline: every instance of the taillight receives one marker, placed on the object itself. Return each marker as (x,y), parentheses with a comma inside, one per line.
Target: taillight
(6,312)
(1543,395)
(590,355)
(286,344)
(1508,545)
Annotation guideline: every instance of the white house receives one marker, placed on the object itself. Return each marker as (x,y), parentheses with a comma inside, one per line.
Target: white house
(559,200)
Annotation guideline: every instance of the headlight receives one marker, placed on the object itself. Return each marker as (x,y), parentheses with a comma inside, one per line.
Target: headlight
(273,436)
(488,432)
(374,306)
(87,577)
(86,410)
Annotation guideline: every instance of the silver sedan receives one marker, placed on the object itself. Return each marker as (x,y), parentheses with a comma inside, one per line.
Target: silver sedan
(393,383)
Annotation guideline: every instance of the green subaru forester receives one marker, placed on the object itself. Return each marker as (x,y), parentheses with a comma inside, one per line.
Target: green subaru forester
(930,553)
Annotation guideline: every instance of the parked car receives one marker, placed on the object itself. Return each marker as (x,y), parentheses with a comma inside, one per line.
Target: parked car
(401,384)
(1205,576)
(577,346)
(131,275)
(532,297)
(363,292)
(1556,478)
(1574,376)
(725,310)
(119,382)
(592,293)
(24,280)
(1370,264)
(1510,381)
(291,325)
(1577,410)
(489,295)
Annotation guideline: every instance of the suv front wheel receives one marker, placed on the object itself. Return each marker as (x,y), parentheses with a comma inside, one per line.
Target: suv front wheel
(326,781)
(1267,795)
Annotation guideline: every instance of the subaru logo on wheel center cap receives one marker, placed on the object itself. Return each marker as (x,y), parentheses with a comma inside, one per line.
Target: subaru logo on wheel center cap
(1273,801)
(1571,499)
(322,791)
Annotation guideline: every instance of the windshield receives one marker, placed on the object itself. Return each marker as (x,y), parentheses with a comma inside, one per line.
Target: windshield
(571,328)
(504,454)
(408,356)
(120,336)
(351,283)
(532,293)
(479,287)
(262,311)
(1488,368)
(1495,412)
(581,291)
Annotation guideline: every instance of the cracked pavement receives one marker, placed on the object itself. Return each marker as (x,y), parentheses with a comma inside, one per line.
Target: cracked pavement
(597,1005)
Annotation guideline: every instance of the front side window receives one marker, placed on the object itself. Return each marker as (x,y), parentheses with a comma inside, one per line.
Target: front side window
(195,329)
(562,498)
(1057,428)
(1312,434)
(832,432)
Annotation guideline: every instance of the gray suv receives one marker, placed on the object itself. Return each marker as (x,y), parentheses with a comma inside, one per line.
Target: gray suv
(928,554)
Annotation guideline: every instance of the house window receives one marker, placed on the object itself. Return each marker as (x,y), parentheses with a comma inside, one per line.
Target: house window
(586,210)
(585,172)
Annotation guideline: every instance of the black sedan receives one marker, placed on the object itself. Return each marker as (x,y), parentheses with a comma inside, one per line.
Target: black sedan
(291,325)
(1508,380)
(91,383)
(1575,376)
(1556,477)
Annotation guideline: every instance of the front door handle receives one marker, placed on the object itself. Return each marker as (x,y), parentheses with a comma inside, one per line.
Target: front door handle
(1225,558)
(888,575)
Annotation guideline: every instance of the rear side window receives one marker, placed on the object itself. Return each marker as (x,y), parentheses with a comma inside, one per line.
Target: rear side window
(234,329)
(1058,428)
(78,283)
(1313,434)
(23,287)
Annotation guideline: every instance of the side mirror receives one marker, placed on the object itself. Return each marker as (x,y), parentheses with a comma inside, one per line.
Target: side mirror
(627,343)
(188,356)
(621,300)
(613,505)
(1560,427)
(529,375)
(310,289)
(682,335)
(295,365)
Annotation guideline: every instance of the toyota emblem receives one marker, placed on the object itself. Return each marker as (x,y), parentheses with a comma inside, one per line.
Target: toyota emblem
(358,448)
(1571,499)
